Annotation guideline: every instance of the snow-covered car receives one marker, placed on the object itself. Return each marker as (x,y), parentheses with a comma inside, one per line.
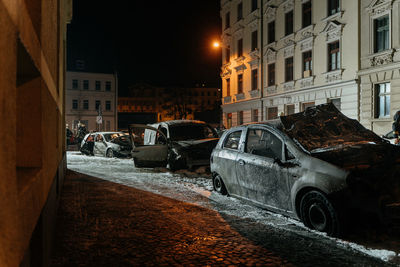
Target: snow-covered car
(317,166)
(108,144)
(176,144)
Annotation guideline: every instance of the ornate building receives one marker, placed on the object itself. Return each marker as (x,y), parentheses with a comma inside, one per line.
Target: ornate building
(380,63)
(281,56)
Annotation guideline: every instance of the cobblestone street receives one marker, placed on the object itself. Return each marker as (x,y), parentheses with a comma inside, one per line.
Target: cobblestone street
(101,223)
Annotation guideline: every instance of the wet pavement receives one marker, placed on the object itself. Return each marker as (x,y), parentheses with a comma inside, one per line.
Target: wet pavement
(101,223)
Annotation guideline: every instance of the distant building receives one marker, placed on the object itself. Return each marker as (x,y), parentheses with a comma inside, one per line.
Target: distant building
(89,95)
(148,104)
(32,133)
(282,56)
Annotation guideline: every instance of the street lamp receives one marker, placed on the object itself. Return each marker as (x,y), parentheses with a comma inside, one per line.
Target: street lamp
(217,44)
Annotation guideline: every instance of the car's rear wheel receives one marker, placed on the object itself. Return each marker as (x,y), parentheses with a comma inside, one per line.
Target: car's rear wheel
(219,185)
(137,163)
(110,153)
(318,213)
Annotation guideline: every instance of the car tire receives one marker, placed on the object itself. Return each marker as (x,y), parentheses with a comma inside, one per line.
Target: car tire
(219,185)
(110,153)
(318,213)
(136,163)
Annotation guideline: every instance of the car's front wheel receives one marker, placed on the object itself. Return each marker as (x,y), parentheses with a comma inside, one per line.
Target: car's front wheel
(110,153)
(219,185)
(318,213)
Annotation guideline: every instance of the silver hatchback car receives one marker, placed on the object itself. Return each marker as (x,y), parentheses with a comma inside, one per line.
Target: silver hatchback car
(316,166)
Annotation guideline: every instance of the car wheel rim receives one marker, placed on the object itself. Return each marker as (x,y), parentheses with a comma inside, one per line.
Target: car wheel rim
(317,217)
(217,184)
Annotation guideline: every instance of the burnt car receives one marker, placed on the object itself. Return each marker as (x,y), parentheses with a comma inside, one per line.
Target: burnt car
(108,144)
(177,144)
(318,166)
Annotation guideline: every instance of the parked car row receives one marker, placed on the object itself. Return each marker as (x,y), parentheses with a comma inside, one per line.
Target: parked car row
(316,166)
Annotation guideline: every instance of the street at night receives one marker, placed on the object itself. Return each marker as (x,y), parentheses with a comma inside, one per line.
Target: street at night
(113,214)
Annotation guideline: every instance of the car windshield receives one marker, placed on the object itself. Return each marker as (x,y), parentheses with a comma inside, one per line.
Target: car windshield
(111,136)
(185,132)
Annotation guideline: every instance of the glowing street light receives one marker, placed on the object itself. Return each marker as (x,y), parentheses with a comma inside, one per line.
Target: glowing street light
(216,44)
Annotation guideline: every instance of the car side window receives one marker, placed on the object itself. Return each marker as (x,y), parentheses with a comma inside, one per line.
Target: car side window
(288,154)
(232,140)
(263,143)
(99,138)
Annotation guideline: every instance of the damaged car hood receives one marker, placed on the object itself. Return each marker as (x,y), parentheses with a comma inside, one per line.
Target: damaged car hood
(188,143)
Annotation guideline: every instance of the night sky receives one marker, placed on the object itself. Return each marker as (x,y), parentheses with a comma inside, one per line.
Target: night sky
(163,43)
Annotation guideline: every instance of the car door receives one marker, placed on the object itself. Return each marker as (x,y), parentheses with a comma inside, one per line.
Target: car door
(149,146)
(99,148)
(225,159)
(260,170)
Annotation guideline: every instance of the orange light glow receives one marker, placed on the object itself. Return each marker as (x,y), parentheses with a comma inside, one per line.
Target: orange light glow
(216,44)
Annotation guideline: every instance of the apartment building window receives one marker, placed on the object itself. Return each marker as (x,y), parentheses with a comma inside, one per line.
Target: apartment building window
(240,117)
(108,86)
(307,64)
(227,55)
(307,15)
(333,7)
(254,79)
(334,56)
(74,84)
(74,104)
(289,109)
(228,87)
(381,30)
(271,32)
(271,74)
(254,114)
(289,22)
(240,47)
(382,103)
(254,40)
(98,85)
(254,5)
(272,113)
(86,84)
(240,83)
(289,69)
(227,20)
(108,105)
(239,11)
(86,104)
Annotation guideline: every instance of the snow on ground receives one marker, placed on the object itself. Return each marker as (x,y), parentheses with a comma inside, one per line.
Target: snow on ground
(196,189)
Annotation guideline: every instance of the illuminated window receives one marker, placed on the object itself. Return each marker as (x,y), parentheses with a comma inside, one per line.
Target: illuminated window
(381,29)
(382,100)
(307,64)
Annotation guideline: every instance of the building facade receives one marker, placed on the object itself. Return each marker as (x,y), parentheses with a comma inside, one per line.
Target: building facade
(281,56)
(148,104)
(88,96)
(32,157)
(380,64)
